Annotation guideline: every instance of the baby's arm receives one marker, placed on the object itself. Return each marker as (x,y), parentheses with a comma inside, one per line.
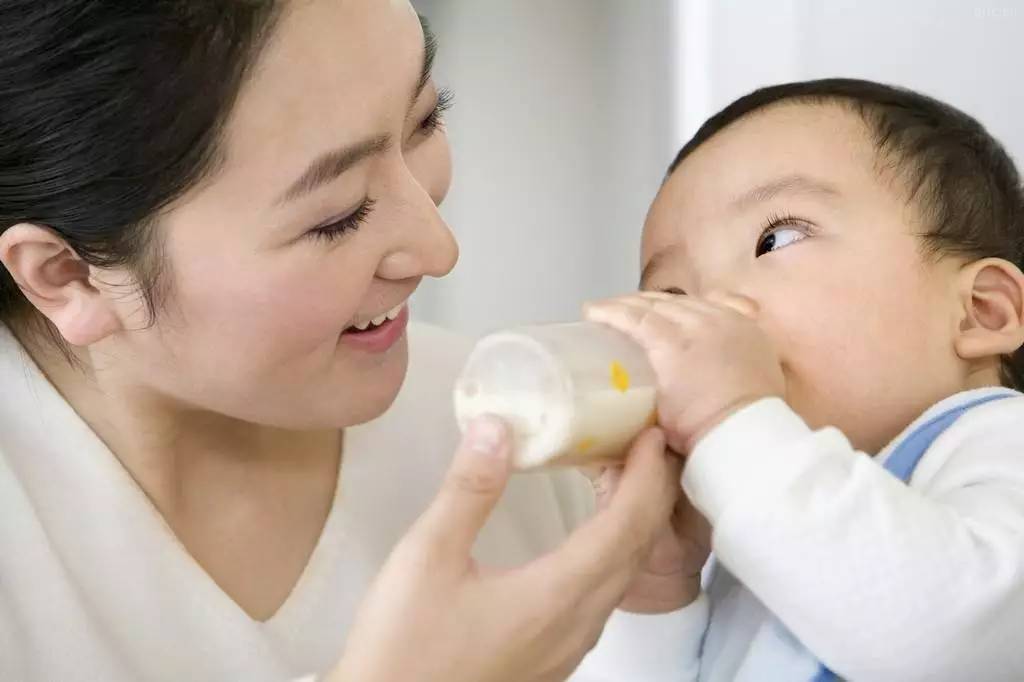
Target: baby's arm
(880,580)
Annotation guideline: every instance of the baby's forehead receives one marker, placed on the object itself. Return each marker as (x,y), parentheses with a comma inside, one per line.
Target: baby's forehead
(772,162)
(787,151)
(817,140)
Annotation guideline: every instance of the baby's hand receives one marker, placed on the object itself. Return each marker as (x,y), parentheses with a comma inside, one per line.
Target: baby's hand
(709,354)
(669,579)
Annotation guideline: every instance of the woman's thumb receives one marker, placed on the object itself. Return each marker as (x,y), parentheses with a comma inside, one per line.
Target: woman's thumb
(470,490)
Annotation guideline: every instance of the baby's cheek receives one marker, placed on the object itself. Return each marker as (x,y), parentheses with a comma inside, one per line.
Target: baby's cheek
(821,346)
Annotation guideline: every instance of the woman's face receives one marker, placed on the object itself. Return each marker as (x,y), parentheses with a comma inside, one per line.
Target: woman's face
(322,217)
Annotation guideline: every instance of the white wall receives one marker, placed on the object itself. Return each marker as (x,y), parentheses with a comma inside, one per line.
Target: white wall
(561,132)
(969,53)
(568,112)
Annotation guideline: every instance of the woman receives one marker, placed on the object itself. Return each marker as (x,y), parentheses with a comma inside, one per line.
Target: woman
(213,215)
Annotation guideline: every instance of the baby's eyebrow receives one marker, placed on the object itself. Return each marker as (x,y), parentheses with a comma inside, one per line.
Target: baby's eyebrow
(789,184)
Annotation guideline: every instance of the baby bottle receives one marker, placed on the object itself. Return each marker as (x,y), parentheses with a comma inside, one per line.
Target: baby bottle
(575,393)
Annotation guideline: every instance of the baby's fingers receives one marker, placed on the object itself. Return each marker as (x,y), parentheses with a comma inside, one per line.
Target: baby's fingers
(605,485)
(743,305)
(647,324)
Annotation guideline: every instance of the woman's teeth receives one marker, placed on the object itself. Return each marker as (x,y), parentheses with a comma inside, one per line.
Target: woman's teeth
(378,321)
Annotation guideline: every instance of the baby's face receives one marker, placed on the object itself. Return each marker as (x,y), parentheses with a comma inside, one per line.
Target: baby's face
(786,206)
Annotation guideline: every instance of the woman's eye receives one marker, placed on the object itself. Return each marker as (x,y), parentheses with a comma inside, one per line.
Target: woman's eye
(435,119)
(338,228)
(775,238)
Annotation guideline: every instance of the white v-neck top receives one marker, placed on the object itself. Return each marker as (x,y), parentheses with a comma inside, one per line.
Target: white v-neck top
(94,586)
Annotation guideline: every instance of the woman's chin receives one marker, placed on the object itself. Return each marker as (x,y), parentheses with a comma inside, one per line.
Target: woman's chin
(359,388)
(371,385)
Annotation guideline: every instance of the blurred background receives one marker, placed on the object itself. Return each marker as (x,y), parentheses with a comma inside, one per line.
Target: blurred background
(569,111)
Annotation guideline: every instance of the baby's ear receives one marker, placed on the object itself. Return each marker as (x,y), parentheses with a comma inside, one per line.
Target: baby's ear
(57,282)
(992,296)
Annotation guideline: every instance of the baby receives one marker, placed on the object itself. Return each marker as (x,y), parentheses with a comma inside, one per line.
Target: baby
(834,305)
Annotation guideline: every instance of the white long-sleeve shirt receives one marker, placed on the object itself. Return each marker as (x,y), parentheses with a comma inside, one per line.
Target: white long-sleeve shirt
(880,580)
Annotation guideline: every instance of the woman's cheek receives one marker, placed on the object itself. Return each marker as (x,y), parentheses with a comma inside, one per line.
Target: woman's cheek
(313,309)
(281,312)
(431,166)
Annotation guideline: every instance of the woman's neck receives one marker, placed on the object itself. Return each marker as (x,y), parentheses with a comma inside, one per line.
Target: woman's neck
(237,495)
(166,445)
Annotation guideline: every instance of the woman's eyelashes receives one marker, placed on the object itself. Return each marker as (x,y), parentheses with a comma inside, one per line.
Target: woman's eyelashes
(350,223)
(780,231)
(435,119)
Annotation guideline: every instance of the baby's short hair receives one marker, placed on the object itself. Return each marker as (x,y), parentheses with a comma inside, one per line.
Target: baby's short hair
(963,184)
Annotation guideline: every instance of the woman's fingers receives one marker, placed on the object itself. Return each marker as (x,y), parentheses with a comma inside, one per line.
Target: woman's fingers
(470,490)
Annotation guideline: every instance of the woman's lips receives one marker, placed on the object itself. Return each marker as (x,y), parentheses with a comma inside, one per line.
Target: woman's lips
(378,338)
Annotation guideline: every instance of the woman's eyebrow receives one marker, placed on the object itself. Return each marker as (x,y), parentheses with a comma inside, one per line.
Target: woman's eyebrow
(332,164)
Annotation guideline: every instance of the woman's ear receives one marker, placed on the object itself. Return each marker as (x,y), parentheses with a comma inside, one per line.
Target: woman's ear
(992,300)
(57,282)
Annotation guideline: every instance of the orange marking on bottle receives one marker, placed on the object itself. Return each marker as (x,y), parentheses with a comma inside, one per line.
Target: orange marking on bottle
(620,377)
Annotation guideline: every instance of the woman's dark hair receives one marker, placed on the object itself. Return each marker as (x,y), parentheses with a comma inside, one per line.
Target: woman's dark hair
(109,111)
(962,182)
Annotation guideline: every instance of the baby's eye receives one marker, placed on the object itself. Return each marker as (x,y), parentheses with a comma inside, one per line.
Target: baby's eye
(778,237)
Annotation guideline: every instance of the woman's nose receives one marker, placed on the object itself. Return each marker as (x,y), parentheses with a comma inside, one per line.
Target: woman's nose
(425,245)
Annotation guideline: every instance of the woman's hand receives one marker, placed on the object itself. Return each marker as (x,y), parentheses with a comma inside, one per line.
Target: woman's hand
(433,614)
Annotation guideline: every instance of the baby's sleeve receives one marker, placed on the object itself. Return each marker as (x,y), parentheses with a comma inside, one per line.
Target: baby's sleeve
(648,648)
(880,580)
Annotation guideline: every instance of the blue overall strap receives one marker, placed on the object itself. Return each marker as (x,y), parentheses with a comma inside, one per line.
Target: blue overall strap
(903,460)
